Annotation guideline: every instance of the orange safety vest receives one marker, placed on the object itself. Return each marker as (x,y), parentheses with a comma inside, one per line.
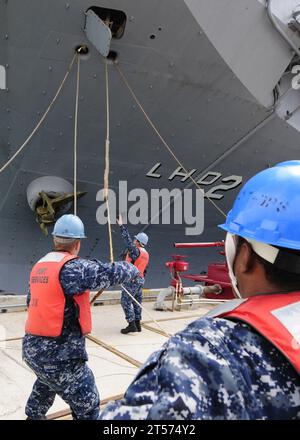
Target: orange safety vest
(142,260)
(274,316)
(47,298)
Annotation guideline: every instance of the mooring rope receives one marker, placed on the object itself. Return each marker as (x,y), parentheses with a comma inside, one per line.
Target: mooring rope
(42,118)
(107,163)
(146,311)
(164,142)
(106,195)
(75,134)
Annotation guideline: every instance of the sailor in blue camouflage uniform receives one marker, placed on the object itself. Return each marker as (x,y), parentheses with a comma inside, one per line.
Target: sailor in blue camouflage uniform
(240,361)
(60,362)
(137,254)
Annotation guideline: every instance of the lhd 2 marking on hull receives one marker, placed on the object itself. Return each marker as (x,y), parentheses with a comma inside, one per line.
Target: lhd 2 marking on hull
(209,178)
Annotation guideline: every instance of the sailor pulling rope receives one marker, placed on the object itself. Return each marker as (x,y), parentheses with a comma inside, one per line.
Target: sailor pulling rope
(106,195)
(107,151)
(106,175)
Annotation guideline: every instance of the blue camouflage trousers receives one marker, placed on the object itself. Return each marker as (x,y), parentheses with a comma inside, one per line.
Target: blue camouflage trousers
(73,381)
(132,311)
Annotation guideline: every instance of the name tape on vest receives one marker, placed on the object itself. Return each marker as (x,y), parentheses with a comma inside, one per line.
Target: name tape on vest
(54,257)
(289,316)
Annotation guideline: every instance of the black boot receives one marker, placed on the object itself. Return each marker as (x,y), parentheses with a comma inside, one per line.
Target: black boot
(138,326)
(131,328)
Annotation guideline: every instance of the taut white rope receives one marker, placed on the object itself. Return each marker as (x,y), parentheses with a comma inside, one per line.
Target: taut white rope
(75,134)
(107,163)
(42,118)
(146,311)
(160,136)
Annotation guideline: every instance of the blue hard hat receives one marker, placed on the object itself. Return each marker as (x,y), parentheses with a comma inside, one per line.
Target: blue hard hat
(142,238)
(267,208)
(69,226)
(288,163)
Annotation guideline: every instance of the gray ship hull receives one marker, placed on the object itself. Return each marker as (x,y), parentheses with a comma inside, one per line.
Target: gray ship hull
(201,107)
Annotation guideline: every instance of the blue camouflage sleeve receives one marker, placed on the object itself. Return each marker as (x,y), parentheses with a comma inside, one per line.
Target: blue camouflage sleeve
(79,275)
(140,396)
(132,249)
(187,379)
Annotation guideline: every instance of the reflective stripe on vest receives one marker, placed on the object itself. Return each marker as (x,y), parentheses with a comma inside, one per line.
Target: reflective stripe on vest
(141,262)
(47,299)
(276,317)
